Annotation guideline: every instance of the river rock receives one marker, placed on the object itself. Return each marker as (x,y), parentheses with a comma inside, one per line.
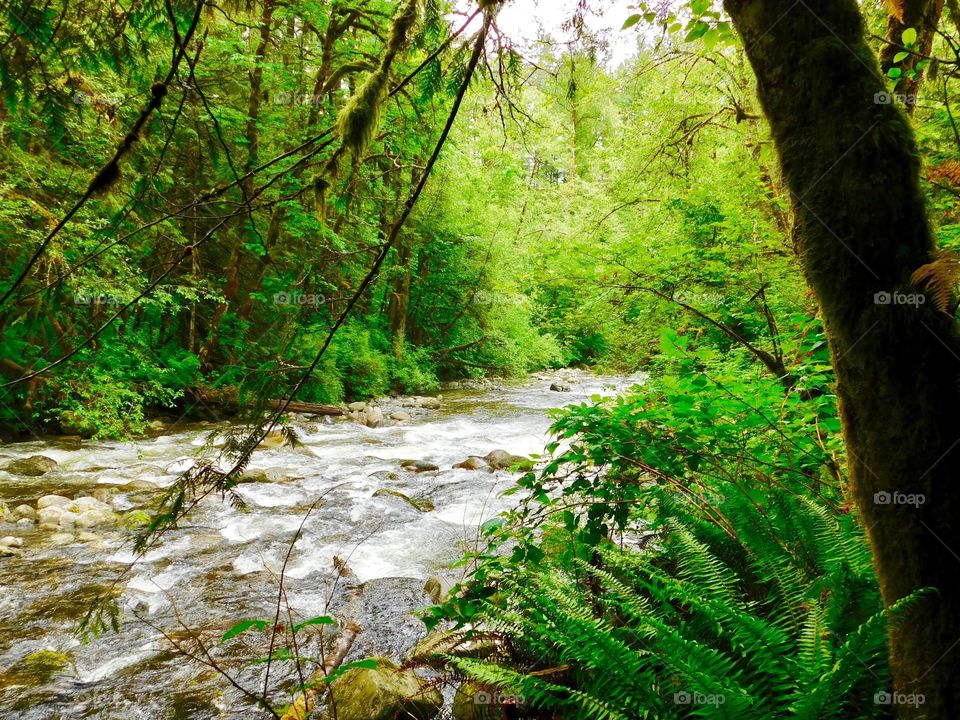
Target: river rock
(10,551)
(42,665)
(471,463)
(421,505)
(52,501)
(32,466)
(25,523)
(91,518)
(400,416)
(501,460)
(50,516)
(268,475)
(274,439)
(11,541)
(105,494)
(384,693)
(430,403)
(85,504)
(372,416)
(60,539)
(70,442)
(25,511)
(135,519)
(357,406)
(559,387)
(418,466)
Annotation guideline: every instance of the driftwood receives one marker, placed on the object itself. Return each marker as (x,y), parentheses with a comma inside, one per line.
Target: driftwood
(304,703)
(307,408)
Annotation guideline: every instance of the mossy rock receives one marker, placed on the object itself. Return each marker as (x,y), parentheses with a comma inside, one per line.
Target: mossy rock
(135,519)
(384,693)
(33,466)
(42,665)
(421,505)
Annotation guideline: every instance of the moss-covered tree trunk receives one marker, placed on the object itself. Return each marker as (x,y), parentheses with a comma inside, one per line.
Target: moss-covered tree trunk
(851,165)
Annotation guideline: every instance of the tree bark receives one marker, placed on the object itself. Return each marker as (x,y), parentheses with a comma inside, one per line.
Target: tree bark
(852,168)
(924,17)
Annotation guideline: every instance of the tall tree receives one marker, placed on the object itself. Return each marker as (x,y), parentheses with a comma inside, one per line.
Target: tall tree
(851,165)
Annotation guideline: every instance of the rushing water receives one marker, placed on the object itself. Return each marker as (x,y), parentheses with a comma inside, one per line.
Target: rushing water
(223,565)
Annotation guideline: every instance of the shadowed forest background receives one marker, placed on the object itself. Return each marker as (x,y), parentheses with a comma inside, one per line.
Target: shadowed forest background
(210,210)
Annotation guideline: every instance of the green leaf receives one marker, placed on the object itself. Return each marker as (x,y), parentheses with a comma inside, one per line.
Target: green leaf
(894,73)
(321,620)
(909,36)
(631,21)
(242,627)
(900,56)
(369,664)
(699,7)
(697,31)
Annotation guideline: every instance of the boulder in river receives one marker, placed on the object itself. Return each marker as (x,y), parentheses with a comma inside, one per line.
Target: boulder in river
(502,460)
(32,466)
(49,517)
(401,416)
(60,539)
(372,416)
(11,541)
(52,501)
(559,387)
(421,505)
(471,463)
(42,665)
(419,466)
(357,406)
(24,511)
(384,692)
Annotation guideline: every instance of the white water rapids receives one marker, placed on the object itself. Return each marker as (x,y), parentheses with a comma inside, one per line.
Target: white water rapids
(221,566)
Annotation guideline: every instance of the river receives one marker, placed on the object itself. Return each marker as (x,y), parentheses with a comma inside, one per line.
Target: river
(222,566)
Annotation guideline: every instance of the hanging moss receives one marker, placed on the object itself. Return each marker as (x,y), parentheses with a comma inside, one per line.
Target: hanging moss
(360,117)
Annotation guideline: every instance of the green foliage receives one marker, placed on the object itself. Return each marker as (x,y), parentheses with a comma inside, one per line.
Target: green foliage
(684,551)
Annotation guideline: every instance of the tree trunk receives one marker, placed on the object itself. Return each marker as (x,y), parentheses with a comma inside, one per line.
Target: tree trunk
(924,17)
(851,166)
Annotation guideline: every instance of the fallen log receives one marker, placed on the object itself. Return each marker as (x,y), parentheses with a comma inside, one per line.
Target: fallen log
(307,408)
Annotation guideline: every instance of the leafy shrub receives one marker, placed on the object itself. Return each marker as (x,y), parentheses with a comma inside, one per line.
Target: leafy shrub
(685,551)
